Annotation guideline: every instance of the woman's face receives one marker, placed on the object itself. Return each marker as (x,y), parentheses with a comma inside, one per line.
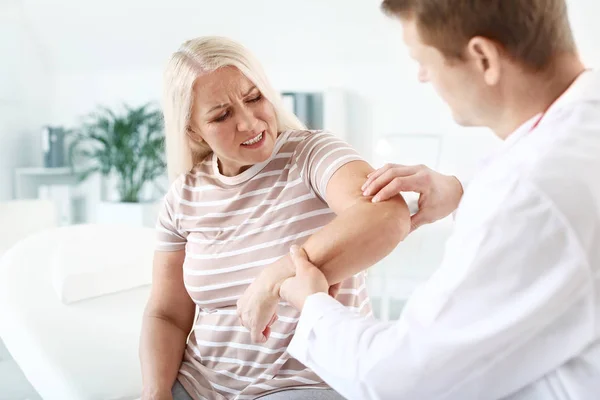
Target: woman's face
(231,115)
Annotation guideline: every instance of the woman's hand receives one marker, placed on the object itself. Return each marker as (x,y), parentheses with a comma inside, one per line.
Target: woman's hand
(257,308)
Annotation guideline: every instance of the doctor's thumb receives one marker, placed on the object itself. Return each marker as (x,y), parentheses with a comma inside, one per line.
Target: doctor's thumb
(416,221)
(299,257)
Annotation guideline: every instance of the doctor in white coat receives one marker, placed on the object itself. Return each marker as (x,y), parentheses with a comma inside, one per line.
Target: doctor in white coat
(514,310)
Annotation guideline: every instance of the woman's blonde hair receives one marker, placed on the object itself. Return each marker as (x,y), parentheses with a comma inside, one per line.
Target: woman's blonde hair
(194,58)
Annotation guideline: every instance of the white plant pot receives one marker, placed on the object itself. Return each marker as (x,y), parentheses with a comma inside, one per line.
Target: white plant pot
(132,214)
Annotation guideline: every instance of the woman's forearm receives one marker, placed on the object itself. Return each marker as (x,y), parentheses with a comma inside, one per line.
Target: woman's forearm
(162,344)
(358,238)
(355,240)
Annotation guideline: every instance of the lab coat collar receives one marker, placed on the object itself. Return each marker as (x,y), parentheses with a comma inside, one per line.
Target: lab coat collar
(586,87)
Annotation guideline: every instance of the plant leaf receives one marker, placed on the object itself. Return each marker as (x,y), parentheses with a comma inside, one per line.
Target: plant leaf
(129,142)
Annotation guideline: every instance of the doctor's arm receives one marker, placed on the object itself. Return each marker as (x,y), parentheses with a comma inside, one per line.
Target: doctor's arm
(508,278)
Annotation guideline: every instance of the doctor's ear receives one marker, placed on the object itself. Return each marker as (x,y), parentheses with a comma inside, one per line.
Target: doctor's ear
(486,54)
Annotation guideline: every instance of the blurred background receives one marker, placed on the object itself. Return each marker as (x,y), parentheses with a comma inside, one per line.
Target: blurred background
(67,66)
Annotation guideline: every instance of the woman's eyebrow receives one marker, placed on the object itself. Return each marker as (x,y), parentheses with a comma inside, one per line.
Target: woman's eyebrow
(226,104)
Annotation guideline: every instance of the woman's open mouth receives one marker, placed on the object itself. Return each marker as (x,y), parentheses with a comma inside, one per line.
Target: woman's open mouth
(255,141)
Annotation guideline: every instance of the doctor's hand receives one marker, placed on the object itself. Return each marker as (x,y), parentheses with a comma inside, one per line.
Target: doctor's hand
(439,194)
(307,281)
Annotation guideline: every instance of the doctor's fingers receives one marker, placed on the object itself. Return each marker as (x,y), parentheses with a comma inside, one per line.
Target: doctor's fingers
(300,259)
(387,187)
(386,174)
(377,173)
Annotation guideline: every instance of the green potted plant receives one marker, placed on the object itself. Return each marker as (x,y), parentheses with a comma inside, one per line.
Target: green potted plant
(127,149)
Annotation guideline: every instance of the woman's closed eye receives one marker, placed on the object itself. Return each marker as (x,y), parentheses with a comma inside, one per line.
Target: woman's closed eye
(222,117)
(254,99)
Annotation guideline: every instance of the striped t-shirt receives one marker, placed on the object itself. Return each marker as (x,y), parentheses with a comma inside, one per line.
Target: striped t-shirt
(231,228)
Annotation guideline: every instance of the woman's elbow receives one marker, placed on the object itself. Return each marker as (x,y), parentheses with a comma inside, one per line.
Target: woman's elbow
(397,220)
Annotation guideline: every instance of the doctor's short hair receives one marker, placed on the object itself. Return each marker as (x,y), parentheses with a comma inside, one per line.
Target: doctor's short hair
(532,32)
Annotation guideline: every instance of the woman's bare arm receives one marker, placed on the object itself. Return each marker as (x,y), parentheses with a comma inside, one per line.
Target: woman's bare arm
(167,321)
(362,233)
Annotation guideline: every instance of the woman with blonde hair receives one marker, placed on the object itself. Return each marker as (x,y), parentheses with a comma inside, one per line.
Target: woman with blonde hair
(248,181)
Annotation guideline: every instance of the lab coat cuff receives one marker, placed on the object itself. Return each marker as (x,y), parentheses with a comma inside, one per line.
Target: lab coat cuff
(315,307)
(464,182)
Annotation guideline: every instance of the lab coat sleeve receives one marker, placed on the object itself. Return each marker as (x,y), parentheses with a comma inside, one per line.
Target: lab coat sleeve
(512,272)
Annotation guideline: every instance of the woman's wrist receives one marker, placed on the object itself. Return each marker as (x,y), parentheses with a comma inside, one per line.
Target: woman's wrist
(274,275)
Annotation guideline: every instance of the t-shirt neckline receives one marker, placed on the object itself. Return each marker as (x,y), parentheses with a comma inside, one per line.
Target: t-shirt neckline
(250,172)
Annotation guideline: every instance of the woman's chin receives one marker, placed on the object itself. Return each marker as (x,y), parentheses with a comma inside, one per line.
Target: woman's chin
(260,157)
(259,154)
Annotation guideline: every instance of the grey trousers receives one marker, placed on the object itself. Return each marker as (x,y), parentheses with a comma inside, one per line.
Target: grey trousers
(304,394)
(179,393)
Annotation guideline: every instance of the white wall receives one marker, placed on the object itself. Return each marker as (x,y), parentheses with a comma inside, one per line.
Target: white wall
(62,58)
(304,46)
(113,51)
(309,45)
(24,95)
(583,15)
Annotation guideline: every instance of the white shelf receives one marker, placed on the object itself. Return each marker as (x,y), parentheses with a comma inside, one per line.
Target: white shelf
(40,171)
(58,185)
(28,180)
(9,103)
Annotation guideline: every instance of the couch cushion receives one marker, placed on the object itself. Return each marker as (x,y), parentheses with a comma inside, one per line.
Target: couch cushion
(95,260)
(82,351)
(41,215)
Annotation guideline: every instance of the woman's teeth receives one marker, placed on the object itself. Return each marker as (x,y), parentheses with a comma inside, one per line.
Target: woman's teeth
(252,141)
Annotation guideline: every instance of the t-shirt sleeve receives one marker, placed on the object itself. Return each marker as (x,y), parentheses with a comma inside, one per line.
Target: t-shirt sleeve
(319,156)
(169,236)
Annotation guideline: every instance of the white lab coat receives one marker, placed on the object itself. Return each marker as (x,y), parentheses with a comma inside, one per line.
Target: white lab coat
(514,310)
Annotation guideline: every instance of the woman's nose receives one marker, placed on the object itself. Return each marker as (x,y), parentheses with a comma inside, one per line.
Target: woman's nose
(246,120)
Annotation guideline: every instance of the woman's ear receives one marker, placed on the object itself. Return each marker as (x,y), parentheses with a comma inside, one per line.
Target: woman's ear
(195,136)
